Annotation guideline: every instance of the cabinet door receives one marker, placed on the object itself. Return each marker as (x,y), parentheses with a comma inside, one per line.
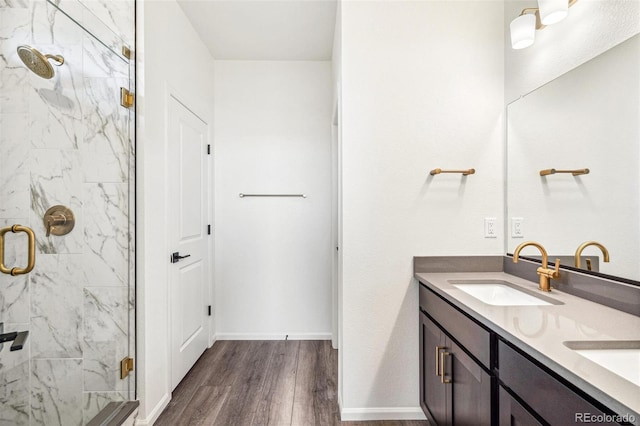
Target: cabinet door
(541,391)
(432,391)
(469,390)
(512,413)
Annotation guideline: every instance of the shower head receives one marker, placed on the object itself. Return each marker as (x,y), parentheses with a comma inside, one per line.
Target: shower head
(37,62)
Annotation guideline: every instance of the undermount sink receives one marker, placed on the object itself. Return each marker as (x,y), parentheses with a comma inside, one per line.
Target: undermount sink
(502,293)
(621,357)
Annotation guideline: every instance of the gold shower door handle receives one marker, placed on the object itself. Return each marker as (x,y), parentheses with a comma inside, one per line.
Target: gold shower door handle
(32,250)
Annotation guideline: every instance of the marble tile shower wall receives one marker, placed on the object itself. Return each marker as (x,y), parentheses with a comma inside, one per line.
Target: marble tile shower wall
(65,141)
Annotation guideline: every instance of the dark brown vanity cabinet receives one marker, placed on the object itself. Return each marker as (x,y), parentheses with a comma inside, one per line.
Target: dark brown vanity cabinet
(468,372)
(549,398)
(433,392)
(454,388)
(512,412)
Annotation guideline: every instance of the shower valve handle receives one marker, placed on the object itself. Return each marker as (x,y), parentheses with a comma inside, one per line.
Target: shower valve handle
(54,220)
(58,220)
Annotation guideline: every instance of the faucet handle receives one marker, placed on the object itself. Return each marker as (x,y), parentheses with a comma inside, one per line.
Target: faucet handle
(556,271)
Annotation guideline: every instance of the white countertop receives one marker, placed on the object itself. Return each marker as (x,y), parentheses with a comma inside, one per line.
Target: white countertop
(540,330)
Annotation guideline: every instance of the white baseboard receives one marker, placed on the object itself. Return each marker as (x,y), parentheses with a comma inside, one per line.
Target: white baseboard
(273,336)
(155,413)
(381,413)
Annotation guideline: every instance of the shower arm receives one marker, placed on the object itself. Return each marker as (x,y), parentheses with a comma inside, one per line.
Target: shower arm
(57,58)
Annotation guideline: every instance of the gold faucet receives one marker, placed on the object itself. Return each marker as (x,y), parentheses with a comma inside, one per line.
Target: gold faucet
(545,273)
(586,244)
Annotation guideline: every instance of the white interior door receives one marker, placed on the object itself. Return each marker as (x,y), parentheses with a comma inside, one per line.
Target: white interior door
(188,223)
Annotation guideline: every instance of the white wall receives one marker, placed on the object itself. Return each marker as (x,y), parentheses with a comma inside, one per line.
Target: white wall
(592,27)
(171,58)
(273,255)
(422,87)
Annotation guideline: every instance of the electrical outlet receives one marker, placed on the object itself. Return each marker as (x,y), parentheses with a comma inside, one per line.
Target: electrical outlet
(517,228)
(490,230)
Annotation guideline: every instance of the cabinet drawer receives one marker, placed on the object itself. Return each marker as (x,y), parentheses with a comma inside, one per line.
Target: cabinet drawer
(475,339)
(553,401)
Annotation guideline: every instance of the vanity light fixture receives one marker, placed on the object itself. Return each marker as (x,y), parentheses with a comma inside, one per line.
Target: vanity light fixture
(523,28)
(553,11)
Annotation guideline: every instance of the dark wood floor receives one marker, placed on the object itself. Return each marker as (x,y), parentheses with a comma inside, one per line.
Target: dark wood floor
(262,383)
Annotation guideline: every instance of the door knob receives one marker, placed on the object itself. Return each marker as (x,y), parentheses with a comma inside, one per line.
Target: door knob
(175,257)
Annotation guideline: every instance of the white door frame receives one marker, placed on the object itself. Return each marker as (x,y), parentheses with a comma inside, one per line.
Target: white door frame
(335,207)
(196,106)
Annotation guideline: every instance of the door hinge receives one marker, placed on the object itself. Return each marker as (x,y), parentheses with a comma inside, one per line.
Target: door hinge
(126,366)
(209,310)
(126,98)
(209,149)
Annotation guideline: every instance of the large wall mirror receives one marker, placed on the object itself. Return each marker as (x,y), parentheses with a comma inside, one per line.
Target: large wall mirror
(589,118)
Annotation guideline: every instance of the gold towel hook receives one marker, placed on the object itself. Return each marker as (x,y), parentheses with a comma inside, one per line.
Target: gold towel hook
(31,250)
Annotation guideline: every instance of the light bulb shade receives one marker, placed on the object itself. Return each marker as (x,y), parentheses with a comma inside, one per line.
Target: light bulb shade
(523,31)
(552,11)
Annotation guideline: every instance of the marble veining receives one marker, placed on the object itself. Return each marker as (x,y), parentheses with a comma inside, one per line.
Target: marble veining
(49,26)
(14,81)
(14,3)
(56,104)
(14,298)
(100,62)
(106,142)
(56,392)
(56,178)
(14,171)
(106,344)
(116,14)
(56,317)
(14,383)
(107,233)
(66,141)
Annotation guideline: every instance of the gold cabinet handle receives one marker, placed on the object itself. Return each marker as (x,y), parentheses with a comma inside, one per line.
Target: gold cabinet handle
(443,358)
(31,250)
(438,349)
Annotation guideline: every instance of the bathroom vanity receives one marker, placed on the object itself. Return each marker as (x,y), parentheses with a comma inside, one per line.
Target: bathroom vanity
(494,350)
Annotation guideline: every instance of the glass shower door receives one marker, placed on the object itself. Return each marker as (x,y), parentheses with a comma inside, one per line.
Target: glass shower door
(66,172)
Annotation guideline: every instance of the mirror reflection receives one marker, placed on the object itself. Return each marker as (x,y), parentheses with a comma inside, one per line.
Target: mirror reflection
(573,175)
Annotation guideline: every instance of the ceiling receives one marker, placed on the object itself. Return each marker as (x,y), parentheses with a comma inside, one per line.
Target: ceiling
(293,30)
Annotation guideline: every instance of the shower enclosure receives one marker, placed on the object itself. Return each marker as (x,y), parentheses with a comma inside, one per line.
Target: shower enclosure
(67,174)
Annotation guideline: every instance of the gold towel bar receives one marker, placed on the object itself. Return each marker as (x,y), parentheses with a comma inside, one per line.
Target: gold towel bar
(273,195)
(464,172)
(576,172)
